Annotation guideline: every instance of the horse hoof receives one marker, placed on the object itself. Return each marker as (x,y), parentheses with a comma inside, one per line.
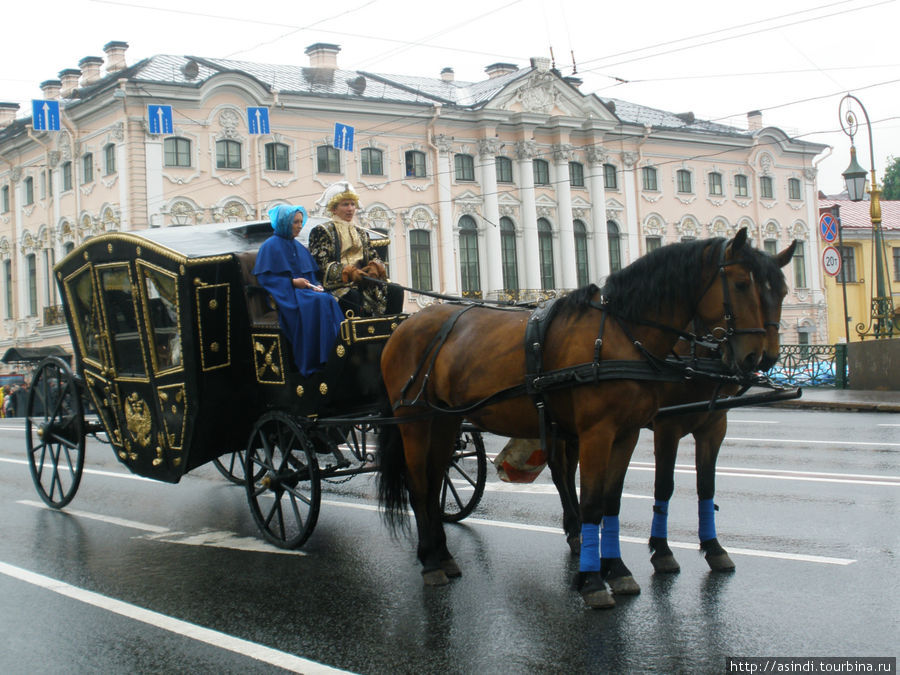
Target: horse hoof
(435,578)
(665,564)
(624,585)
(574,544)
(450,568)
(720,562)
(598,599)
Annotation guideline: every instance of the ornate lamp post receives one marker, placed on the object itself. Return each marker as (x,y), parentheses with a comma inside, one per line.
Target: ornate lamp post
(881,320)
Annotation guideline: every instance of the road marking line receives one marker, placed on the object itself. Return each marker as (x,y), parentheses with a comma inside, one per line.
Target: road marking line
(211,538)
(783,474)
(799,557)
(239,646)
(833,442)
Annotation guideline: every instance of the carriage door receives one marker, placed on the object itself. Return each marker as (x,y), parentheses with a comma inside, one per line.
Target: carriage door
(132,392)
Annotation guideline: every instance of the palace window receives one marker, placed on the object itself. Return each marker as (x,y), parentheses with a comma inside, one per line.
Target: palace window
(545,251)
(87,168)
(504,169)
(582,273)
(228,154)
(420,259)
(715,184)
(615,246)
(468,256)
(177,152)
(648,174)
(576,174)
(372,161)
(541,171)
(793,188)
(509,258)
(328,159)
(740,186)
(683,178)
(766,191)
(465,167)
(610,177)
(277,157)
(109,159)
(415,164)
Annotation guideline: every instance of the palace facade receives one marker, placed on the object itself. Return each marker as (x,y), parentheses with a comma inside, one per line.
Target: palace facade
(518,185)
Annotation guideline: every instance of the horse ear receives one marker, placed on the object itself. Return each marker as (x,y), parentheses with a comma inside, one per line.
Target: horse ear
(785,256)
(739,241)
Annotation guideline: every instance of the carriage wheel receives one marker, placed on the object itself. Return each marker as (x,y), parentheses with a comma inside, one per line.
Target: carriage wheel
(54,432)
(285,493)
(231,465)
(465,477)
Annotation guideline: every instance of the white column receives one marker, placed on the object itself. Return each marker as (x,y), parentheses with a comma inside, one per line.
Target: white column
(20,268)
(445,216)
(525,151)
(629,180)
(596,159)
(562,153)
(816,284)
(492,261)
(155,197)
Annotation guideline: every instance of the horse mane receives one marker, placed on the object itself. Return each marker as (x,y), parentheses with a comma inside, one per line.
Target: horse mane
(769,276)
(667,277)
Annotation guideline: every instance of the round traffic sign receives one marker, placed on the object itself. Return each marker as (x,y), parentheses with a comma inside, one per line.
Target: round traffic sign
(828,227)
(831,260)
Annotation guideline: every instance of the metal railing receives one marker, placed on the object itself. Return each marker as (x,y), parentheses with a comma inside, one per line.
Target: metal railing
(811,366)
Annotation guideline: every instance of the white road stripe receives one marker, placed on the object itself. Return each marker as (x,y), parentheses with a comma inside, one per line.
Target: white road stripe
(861,444)
(800,557)
(239,646)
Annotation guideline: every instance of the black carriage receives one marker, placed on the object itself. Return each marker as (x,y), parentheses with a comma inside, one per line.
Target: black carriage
(180,356)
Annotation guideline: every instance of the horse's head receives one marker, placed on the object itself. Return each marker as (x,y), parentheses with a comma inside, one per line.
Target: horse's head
(731,307)
(773,290)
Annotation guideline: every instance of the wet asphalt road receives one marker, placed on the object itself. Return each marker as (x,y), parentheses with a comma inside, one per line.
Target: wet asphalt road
(138,576)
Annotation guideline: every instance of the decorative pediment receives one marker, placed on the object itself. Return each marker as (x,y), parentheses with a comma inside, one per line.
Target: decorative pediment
(544,92)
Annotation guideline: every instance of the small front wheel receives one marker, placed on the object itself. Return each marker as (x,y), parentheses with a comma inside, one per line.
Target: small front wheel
(54,432)
(464,478)
(285,492)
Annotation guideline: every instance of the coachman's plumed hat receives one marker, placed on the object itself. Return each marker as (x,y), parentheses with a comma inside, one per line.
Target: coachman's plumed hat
(336,193)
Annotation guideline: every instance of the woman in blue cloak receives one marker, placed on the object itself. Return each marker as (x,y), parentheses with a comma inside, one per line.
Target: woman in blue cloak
(310,317)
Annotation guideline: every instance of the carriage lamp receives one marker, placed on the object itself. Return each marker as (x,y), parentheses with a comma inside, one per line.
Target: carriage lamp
(881,319)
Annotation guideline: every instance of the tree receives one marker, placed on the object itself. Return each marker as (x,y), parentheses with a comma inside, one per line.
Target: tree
(891,187)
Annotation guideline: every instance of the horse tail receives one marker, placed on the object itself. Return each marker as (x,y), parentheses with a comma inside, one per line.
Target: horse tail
(391,481)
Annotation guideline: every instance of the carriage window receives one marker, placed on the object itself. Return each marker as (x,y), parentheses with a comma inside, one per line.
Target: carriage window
(122,320)
(85,312)
(162,318)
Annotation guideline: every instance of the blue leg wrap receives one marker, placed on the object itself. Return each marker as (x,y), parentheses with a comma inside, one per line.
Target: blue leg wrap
(660,526)
(590,547)
(609,537)
(707,512)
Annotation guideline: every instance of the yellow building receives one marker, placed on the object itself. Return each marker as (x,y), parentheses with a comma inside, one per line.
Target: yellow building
(858,265)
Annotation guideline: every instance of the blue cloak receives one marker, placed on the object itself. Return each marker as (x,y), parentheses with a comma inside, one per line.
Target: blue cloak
(311,319)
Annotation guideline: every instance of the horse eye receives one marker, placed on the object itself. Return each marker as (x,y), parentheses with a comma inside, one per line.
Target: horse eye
(742,285)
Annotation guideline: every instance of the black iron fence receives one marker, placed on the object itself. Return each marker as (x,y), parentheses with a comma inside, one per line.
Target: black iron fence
(812,366)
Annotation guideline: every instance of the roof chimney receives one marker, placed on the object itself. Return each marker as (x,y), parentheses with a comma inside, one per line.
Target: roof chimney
(90,69)
(323,55)
(115,56)
(7,113)
(498,69)
(754,120)
(447,75)
(51,89)
(69,79)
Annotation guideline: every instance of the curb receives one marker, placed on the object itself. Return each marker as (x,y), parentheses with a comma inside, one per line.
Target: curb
(846,406)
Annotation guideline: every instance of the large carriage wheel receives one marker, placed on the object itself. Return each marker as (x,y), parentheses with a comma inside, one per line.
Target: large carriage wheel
(285,492)
(465,477)
(231,465)
(54,432)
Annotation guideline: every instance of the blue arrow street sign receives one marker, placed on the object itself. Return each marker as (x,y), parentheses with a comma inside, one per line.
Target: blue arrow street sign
(258,120)
(343,137)
(160,119)
(45,115)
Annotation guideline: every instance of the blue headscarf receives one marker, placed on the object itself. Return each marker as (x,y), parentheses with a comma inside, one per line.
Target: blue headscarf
(282,217)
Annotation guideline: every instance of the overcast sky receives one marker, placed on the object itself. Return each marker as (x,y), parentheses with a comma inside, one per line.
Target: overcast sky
(792,60)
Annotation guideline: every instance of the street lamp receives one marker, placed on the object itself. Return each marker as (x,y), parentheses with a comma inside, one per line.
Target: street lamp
(881,320)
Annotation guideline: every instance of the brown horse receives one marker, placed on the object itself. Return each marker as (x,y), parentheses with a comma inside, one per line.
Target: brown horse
(708,429)
(606,352)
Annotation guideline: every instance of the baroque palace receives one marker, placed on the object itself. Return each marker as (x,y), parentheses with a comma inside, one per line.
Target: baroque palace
(513,186)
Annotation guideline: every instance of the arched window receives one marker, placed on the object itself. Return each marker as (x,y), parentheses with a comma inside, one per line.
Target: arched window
(508,255)
(31,267)
(541,171)
(228,155)
(415,164)
(372,161)
(576,174)
(545,251)
(582,273)
(277,157)
(465,167)
(420,259)
(468,257)
(504,169)
(615,246)
(177,152)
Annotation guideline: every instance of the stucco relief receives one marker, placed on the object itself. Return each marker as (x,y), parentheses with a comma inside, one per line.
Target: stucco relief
(563,152)
(489,147)
(537,94)
(526,149)
(443,143)
(596,154)
(229,121)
